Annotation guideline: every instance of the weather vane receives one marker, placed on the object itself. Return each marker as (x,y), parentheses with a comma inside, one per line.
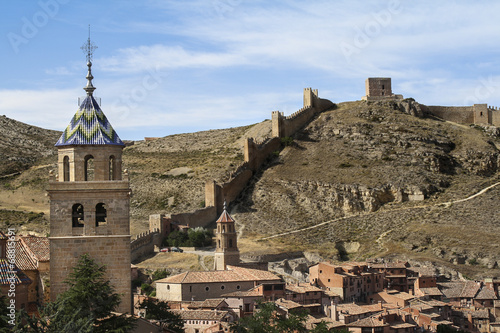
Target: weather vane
(89,48)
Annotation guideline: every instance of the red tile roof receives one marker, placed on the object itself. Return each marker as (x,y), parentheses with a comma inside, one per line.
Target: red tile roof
(225,217)
(38,246)
(23,259)
(233,274)
(301,288)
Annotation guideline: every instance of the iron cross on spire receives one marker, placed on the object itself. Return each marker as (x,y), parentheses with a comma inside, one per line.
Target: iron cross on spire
(89,48)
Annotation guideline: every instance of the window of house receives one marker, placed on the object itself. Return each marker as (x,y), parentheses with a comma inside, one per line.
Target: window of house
(222,287)
(66,168)
(89,168)
(100,214)
(77,215)
(238,287)
(207,288)
(168,287)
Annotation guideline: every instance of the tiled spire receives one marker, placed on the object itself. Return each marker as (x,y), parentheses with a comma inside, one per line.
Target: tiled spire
(89,125)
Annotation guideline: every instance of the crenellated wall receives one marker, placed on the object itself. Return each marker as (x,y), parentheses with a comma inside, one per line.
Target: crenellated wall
(144,243)
(478,114)
(284,126)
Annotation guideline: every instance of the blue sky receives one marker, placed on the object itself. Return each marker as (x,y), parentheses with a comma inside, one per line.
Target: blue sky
(165,67)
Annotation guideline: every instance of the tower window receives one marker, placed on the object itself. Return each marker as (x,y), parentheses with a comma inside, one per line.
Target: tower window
(112,167)
(230,243)
(218,243)
(89,168)
(66,168)
(77,216)
(100,214)
(223,228)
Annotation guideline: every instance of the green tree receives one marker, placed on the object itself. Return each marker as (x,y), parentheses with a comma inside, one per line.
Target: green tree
(87,306)
(268,320)
(158,310)
(4,311)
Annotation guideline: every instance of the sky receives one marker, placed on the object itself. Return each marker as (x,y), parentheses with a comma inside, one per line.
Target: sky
(166,67)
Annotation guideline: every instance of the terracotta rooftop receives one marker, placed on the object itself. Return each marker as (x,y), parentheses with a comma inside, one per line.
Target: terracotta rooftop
(232,274)
(301,288)
(486,293)
(355,309)
(38,246)
(287,304)
(368,322)
(210,303)
(462,289)
(432,291)
(225,217)
(23,259)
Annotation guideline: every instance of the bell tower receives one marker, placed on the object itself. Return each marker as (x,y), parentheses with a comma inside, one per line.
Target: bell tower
(226,252)
(90,198)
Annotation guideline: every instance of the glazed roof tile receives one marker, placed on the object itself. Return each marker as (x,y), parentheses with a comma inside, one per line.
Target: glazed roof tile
(89,126)
(38,246)
(6,275)
(233,274)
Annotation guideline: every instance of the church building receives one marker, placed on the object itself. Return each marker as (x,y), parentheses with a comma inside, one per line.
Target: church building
(90,199)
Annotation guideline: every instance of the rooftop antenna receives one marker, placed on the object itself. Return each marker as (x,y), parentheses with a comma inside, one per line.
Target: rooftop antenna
(88,48)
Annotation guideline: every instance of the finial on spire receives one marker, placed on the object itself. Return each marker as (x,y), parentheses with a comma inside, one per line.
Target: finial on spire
(88,48)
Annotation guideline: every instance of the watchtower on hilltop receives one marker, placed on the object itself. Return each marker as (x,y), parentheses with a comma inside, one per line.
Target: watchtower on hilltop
(90,199)
(379,88)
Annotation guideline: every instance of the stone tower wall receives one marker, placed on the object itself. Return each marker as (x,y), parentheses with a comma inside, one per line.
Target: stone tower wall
(108,241)
(378,86)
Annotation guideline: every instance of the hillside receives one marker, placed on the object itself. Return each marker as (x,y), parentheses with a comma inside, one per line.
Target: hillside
(365,167)
(377,179)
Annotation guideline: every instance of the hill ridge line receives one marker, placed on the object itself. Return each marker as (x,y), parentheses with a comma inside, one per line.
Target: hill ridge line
(445,204)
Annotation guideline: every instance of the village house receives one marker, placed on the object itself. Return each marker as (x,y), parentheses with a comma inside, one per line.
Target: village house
(395,274)
(426,287)
(394,297)
(429,314)
(243,302)
(206,321)
(191,286)
(353,282)
(31,269)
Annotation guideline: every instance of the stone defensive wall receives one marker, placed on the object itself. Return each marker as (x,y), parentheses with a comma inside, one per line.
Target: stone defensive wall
(284,126)
(199,218)
(457,114)
(256,154)
(478,114)
(144,243)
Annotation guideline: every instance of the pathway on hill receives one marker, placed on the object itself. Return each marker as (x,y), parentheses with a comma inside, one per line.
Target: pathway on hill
(446,204)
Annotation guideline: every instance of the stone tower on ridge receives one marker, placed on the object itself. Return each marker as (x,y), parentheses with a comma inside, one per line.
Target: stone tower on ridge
(90,199)
(226,252)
